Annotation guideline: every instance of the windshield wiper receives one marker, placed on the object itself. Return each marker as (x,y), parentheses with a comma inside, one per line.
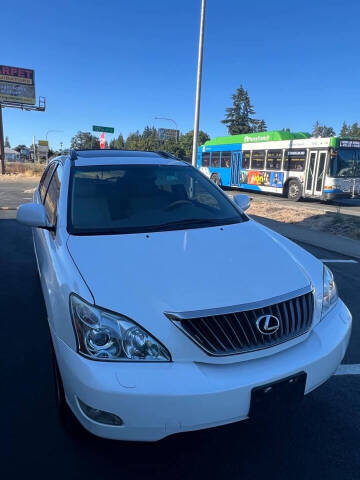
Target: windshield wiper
(193,221)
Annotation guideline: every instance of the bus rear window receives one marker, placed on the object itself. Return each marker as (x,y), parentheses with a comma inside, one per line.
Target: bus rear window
(258,159)
(295,160)
(215,159)
(205,159)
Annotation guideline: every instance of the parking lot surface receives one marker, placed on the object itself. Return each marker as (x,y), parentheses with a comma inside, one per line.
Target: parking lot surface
(320,441)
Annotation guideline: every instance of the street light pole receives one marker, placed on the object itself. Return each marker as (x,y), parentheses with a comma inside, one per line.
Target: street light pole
(198,84)
(170,120)
(46,137)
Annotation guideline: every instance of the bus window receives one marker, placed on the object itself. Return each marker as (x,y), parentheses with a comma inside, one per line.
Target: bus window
(225,159)
(215,159)
(205,159)
(246,160)
(295,160)
(273,160)
(258,160)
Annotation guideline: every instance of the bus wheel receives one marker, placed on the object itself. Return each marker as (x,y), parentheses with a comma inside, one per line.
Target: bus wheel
(216,179)
(293,190)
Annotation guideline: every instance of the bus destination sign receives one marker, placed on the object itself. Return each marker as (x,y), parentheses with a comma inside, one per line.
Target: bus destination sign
(349,144)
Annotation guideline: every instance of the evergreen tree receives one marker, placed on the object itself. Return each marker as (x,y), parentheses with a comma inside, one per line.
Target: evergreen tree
(322,131)
(259,126)
(345,130)
(117,143)
(354,131)
(238,118)
(7,143)
(285,130)
(186,141)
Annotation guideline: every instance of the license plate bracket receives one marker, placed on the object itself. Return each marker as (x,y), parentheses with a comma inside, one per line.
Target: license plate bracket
(276,397)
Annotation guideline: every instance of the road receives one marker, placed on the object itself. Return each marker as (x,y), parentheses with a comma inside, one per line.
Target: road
(14,192)
(347,206)
(320,441)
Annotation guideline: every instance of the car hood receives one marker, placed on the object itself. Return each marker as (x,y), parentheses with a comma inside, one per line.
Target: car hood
(177,271)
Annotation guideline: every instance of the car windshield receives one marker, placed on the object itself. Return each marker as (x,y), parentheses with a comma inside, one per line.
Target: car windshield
(346,163)
(110,199)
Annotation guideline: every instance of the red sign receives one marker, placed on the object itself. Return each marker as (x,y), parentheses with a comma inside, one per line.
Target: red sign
(102,141)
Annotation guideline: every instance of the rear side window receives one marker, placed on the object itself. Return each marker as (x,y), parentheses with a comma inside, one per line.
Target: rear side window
(205,159)
(52,197)
(215,159)
(45,180)
(226,159)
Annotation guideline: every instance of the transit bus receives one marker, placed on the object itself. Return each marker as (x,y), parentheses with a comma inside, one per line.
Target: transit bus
(292,164)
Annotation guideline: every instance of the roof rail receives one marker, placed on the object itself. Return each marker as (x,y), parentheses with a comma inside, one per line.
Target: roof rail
(73,155)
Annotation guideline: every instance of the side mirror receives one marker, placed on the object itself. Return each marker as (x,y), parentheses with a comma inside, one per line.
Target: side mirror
(34,215)
(242,201)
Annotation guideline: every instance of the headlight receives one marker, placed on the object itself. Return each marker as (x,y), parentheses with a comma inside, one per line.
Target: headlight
(330,294)
(105,336)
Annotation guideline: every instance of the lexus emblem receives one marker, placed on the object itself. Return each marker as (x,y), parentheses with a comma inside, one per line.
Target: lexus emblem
(267,324)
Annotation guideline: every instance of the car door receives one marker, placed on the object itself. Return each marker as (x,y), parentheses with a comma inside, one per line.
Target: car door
(46,239)
(39,197)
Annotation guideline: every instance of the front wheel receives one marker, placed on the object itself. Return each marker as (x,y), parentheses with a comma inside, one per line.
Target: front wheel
(293,190)
(216,179)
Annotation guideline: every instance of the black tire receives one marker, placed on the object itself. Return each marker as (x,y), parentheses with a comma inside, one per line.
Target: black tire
(216,179)
(66,417)
(293,190)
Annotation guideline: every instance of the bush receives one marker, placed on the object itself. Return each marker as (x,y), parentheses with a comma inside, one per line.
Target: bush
(27,169)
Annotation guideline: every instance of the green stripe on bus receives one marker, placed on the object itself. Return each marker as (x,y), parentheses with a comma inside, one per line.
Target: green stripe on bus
(274,135)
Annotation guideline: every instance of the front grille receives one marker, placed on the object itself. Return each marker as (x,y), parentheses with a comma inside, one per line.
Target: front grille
(237,332)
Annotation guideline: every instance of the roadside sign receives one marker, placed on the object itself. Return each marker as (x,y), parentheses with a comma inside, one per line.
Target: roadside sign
(43,143)
(97,128)
(168,134)
(102,141)
(17,85)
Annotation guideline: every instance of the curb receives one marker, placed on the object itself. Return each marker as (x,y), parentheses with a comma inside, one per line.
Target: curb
(8,208)
(327,241)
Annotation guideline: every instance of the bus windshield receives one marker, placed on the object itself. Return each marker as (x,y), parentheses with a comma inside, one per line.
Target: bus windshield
(346,163)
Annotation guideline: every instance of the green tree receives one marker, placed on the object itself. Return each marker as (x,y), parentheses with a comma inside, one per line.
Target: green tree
(186,141)
(20,147)
(117,143)
(85,141)
(238,118)
(355,131)
(345,130)
(7,143)
(285,130)
(259,126)
(322,131)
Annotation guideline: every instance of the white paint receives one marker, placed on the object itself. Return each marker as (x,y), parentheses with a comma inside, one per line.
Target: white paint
(326,260)
(353,369)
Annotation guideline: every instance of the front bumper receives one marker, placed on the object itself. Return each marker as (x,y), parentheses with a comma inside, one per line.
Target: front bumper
(155,400)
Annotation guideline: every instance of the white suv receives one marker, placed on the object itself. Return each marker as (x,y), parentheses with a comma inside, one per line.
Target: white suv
(169,308)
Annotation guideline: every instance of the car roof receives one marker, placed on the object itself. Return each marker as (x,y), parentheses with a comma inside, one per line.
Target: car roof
(118,157)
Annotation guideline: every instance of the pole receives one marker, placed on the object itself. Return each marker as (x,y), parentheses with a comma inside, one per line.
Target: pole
(198,84)
(34,150)
(2,147)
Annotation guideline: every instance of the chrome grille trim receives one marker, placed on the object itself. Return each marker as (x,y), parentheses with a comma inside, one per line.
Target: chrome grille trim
(235,332)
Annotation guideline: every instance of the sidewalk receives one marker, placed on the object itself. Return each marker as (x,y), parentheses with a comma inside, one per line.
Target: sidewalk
(328,241)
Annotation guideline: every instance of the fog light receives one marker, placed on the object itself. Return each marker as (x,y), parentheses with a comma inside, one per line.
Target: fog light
(99,415)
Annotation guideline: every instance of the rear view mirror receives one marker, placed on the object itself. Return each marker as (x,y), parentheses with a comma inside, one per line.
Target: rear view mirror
(34,215)
(242,201)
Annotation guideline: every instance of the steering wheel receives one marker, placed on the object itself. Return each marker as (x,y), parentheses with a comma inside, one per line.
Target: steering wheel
(177,203)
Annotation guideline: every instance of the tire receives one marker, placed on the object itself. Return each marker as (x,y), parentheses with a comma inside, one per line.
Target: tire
(216,179)
(67,419)
(293,190)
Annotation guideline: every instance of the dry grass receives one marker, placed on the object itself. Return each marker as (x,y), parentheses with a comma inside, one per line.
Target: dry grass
(21,169)
(336,223)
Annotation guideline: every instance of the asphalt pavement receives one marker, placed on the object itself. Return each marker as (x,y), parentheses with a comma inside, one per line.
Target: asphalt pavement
(320,441)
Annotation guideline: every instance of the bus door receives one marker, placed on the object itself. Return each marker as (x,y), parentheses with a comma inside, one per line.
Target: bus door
(315,173)
(235,168)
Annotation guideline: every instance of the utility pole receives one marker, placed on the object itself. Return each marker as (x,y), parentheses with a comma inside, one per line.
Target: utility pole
(198,84)
(2,147)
